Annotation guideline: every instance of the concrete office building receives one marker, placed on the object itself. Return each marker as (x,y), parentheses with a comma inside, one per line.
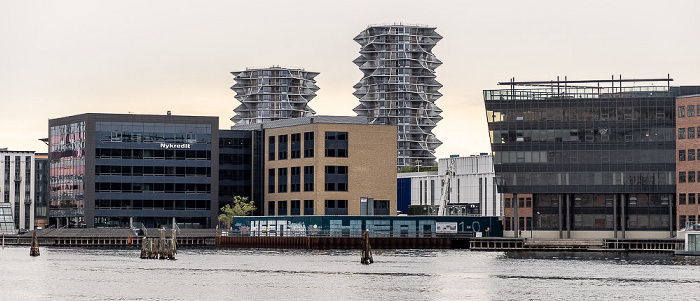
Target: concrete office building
(687,160)
(472,187)
(17,181)
(268,94)
(586,158)
(328,165)
(115,170)
(398,87)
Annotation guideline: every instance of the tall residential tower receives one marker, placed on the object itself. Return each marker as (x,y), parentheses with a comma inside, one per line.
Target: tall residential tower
(268,94)
(399,87)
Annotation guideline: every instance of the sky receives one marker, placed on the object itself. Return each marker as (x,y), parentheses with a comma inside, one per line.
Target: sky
(62,58)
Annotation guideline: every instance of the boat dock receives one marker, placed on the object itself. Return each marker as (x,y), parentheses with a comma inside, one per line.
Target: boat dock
(593,245)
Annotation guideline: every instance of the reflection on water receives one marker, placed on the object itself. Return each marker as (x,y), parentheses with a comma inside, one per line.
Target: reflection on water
(209,274)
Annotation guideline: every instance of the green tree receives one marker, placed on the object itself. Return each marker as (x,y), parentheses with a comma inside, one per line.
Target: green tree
(241,207)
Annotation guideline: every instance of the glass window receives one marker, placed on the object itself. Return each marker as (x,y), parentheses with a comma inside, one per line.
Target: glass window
(691,177)
(691,198)
(691,155)
(271,148)
(681,199)
(308,178)
(681,111)
(295,179)
(295,145)
(282,147)
(309,145)
(691,133)
(337,144)
(691,111)
(681,133)
(308,207)
(336,178)
(681,177)
(681,155)
(271,180)
(282,180)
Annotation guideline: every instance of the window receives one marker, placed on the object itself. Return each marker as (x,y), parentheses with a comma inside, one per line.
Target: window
(308,178)
(507,203)
(336,178)
(521,202)
(308,207)
(691,133)
(691,155)
(337,144)
(295,146)
(681,111)
(271,148)
(681,199)
(681,133)
(691,111)
(282,147)
(508,224)
(681,221)
(381,207)
(691,177)
(271,208)
(681,155)
(309,145)
(296,179)
(271,180)
(294,207)
(282,208)
(691,198)
(282,180)
(336,207)
(528,203)
(681,177)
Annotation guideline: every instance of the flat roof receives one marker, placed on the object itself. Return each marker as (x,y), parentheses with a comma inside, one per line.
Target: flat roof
(302,121)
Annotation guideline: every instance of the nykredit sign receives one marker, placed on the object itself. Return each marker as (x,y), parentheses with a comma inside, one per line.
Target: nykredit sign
(175,145)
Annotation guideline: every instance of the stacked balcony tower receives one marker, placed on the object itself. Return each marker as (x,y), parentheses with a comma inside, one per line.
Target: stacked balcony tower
(268,94)
(399,87)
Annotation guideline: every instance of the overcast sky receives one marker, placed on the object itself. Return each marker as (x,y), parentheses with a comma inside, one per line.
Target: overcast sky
(61,58)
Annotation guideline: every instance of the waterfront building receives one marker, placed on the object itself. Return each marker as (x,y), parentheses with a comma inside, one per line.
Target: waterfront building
(17,188)
(327,165)
(586,158)
(398,87)
(687,160)
(41,189)
(241,167)
(268,94)
(472,189)
(115,170)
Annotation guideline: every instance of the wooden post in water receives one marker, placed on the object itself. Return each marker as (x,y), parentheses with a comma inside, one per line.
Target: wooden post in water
(366,257)
(34,250)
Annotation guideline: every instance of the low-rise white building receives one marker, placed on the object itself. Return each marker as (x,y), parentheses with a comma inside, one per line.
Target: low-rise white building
(472,184)
(17,185)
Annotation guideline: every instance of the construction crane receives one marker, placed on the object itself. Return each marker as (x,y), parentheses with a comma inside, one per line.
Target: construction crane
(442,210)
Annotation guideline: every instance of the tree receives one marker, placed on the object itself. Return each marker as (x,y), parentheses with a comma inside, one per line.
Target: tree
(241,207)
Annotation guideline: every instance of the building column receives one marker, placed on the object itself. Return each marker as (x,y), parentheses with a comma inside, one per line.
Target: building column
(516,222)
(561,220)
(623,220)
(671,201)
(615,215)
(568,215)
(131,222)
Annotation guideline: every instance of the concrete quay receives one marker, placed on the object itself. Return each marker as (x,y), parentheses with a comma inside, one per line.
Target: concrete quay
(90,237)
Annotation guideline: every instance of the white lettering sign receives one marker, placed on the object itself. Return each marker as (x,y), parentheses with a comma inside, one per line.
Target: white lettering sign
(174,145)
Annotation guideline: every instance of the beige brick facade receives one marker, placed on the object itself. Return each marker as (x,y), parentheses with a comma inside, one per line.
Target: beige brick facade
(371,163)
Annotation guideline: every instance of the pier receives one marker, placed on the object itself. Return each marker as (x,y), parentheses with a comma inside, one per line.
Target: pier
(90,237)
(593,245)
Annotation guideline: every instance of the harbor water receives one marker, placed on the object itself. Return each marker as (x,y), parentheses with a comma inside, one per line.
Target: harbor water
(262,274)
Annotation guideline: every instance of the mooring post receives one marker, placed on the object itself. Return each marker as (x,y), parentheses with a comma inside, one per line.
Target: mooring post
(34,250)
(366,254)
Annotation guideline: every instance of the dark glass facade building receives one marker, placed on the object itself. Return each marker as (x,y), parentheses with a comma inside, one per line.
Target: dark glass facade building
(113,170)
(240,167)
(585,159)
